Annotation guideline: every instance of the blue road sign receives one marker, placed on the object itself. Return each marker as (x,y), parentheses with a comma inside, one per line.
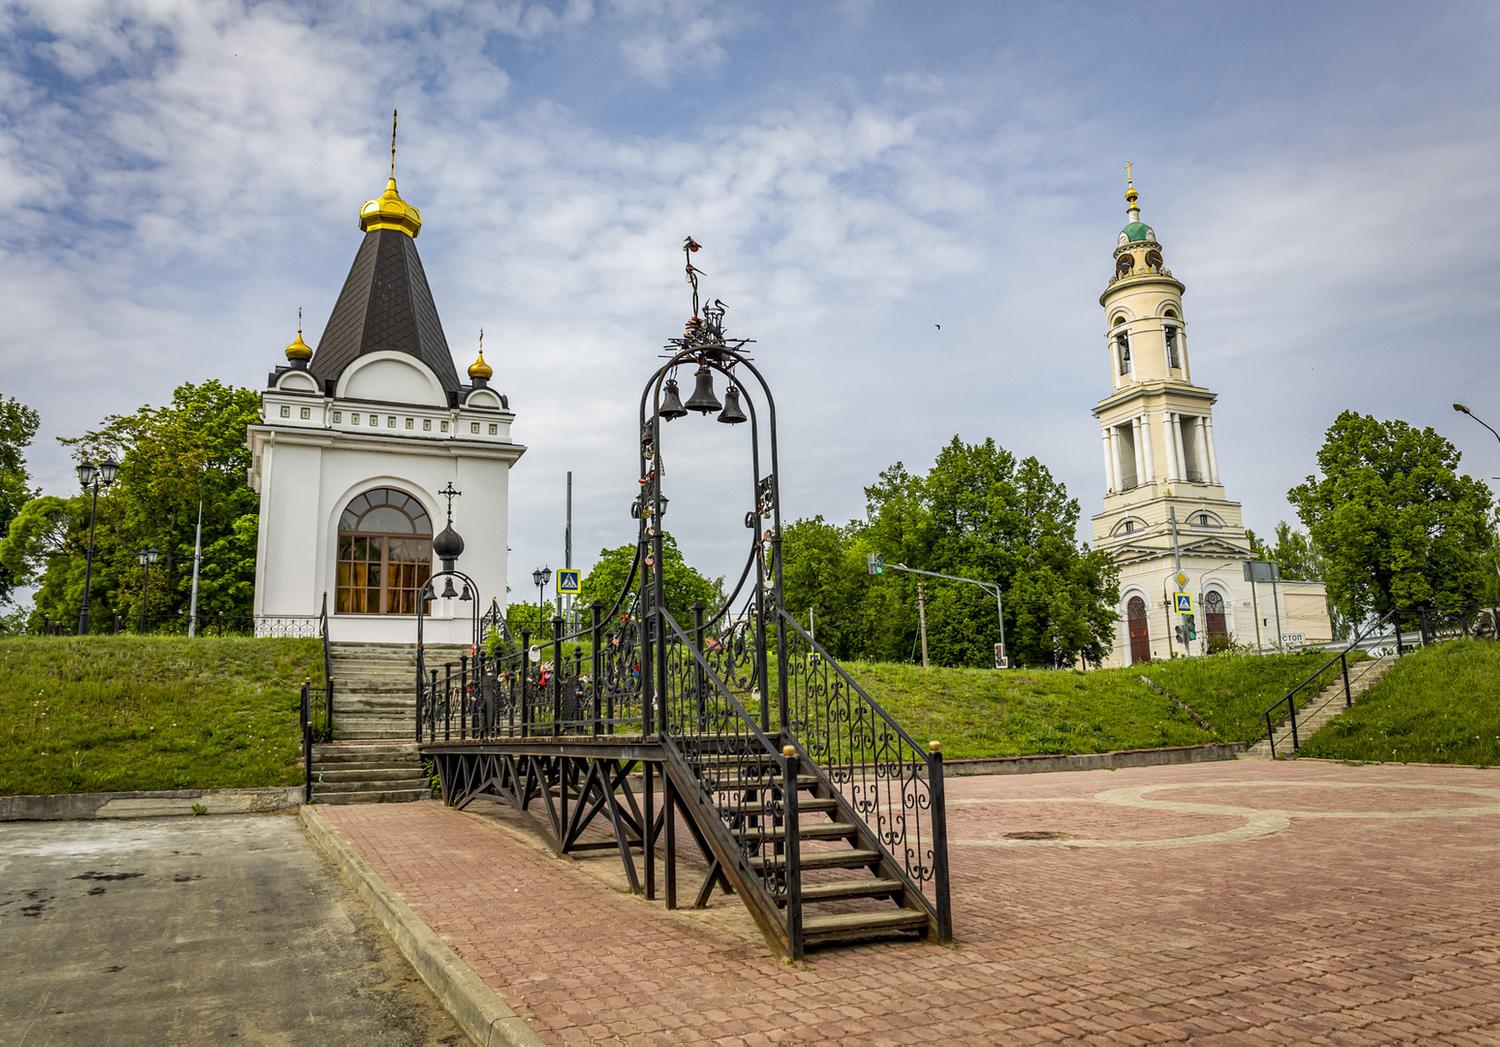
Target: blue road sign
(1183,602)
(567,581)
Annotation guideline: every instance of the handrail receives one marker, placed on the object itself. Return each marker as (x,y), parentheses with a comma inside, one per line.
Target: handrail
(327,668)
(1427,632)
(307,780)
(1289,699)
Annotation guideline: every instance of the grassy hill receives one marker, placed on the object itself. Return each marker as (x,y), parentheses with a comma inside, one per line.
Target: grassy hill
(125,712)
(1437,705)
(982,712)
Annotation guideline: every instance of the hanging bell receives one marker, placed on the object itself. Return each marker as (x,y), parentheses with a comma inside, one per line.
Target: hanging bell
(732,415)
(703,399)
(466,595)
(671,405)
(448,591)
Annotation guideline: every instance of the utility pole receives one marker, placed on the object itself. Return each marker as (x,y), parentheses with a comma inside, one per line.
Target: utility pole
(922,619)
(1276,603)
(197,560)
(1187,647)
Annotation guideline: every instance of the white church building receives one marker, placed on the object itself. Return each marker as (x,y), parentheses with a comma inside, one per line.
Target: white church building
(1166,518)
(356,441)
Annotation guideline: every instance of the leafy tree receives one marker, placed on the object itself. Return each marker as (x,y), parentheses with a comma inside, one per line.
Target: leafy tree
(169,456)
(978,513)
(1398,525)
(683,585)
(18,425)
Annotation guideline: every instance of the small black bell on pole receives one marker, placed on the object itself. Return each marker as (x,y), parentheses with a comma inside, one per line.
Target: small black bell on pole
(466,595)
(671,406)
(732,415)
(703,399)
(448,591)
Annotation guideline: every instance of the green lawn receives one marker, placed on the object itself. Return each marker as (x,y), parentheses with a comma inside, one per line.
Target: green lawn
(1232,691)
(1437,705)
(982,712)
(126,712)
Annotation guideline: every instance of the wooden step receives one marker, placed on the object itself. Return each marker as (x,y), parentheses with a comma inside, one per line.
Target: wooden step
(861,926)
(838,890)
(805,804)
(853,858)
(737,784)
(825,831)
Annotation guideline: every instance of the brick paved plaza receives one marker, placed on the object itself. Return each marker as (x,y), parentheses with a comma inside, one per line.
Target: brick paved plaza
(1245,902)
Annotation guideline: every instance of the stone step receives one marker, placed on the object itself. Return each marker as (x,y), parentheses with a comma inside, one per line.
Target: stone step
(374,796)
(394,750)
(383,785)
(358,773)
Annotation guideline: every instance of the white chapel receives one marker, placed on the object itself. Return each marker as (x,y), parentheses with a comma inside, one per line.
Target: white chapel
(1166,518)
(358,439)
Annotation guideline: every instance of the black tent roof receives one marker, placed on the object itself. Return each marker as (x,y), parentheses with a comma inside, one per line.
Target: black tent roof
(385,304)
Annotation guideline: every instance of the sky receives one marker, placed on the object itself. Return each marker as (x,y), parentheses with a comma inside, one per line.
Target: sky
(178,178)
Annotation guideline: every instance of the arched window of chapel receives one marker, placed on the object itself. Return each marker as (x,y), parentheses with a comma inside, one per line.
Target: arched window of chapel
(384,553)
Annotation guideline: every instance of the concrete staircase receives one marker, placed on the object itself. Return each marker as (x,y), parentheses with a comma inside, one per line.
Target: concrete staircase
(373,758)
(1323,708)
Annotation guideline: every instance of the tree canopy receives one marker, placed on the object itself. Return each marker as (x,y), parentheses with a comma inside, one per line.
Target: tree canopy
(684,586)
(978,513)
(1398,525)
(18,425)
(169,456)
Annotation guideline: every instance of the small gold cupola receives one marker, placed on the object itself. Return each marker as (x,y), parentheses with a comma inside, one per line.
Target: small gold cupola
(298,352)
(388,210)
(480,371)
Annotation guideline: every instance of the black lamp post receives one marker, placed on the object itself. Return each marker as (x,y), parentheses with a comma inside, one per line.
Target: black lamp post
(91,477)
(540,577)
(146,557)
(1463,409)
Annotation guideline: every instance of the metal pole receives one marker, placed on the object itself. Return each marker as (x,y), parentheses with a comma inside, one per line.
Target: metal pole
(568,540)
(198,560)
(922,619)
(145,589)
(1276,603)
(1000,612)
(1255,610)
(88,568)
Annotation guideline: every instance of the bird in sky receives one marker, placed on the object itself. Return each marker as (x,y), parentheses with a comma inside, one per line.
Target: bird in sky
(938,326)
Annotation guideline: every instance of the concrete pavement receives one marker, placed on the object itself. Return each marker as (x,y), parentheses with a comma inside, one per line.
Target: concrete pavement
(194,931)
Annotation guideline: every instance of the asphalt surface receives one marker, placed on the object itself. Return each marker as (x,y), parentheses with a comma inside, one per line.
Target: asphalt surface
(208,930)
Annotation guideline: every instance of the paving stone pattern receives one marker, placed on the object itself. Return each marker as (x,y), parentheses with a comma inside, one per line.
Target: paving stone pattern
(1250,902)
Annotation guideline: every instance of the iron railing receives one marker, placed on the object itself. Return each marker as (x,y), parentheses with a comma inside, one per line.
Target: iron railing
(327,670)
(889,779)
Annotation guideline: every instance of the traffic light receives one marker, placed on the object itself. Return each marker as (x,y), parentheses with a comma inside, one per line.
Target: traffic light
(876,563)
(1191,626)
(1181,631)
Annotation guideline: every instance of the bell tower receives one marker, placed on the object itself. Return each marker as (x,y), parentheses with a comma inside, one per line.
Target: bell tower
(1165,510)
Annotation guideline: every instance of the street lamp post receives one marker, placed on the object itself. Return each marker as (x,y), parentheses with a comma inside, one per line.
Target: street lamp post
(1463,409)
(92,476)
(540,577)
(146,557)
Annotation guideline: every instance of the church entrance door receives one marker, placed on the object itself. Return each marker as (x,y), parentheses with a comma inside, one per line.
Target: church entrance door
(1214,619)
(1140,633)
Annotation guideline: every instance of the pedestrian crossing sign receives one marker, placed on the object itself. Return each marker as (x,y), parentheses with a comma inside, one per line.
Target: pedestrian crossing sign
(567,581)
(1184,602)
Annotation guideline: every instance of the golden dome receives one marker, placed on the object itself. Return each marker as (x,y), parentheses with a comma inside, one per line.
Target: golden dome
(298,349)
(389,211)
(480,369)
